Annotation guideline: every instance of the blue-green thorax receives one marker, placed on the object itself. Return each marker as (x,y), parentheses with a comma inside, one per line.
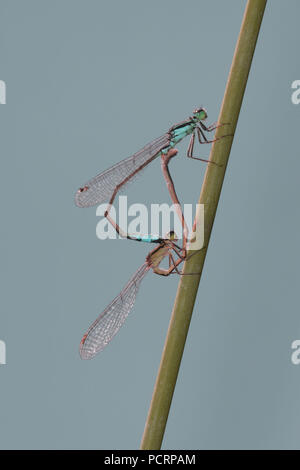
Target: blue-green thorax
(185,128)
(181,132)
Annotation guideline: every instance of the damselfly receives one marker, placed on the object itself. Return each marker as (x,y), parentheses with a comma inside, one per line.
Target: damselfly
(107,325)
(106,185)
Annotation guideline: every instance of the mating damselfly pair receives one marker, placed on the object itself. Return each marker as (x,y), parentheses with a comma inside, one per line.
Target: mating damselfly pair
(105,186)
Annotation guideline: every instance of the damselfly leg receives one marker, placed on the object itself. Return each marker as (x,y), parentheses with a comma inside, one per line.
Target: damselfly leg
(200,134)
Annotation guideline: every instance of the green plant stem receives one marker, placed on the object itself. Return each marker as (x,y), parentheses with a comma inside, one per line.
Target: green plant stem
(210,194)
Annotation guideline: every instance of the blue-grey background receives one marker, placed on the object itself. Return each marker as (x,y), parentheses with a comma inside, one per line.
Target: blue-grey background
(88,83)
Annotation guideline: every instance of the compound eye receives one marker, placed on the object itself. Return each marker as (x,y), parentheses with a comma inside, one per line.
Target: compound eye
(200,114)
(171,235)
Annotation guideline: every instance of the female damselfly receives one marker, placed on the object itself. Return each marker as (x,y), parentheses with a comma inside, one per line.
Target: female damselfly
(107,325)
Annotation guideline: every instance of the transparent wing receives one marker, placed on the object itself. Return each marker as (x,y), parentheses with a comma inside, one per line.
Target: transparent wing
(100,188)
(112,318)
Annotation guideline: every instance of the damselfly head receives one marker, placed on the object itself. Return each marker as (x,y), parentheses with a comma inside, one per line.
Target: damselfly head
(200,114)
(171,236)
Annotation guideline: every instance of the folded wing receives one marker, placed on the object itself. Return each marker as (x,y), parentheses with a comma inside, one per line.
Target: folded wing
(100,188)
(107,325)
